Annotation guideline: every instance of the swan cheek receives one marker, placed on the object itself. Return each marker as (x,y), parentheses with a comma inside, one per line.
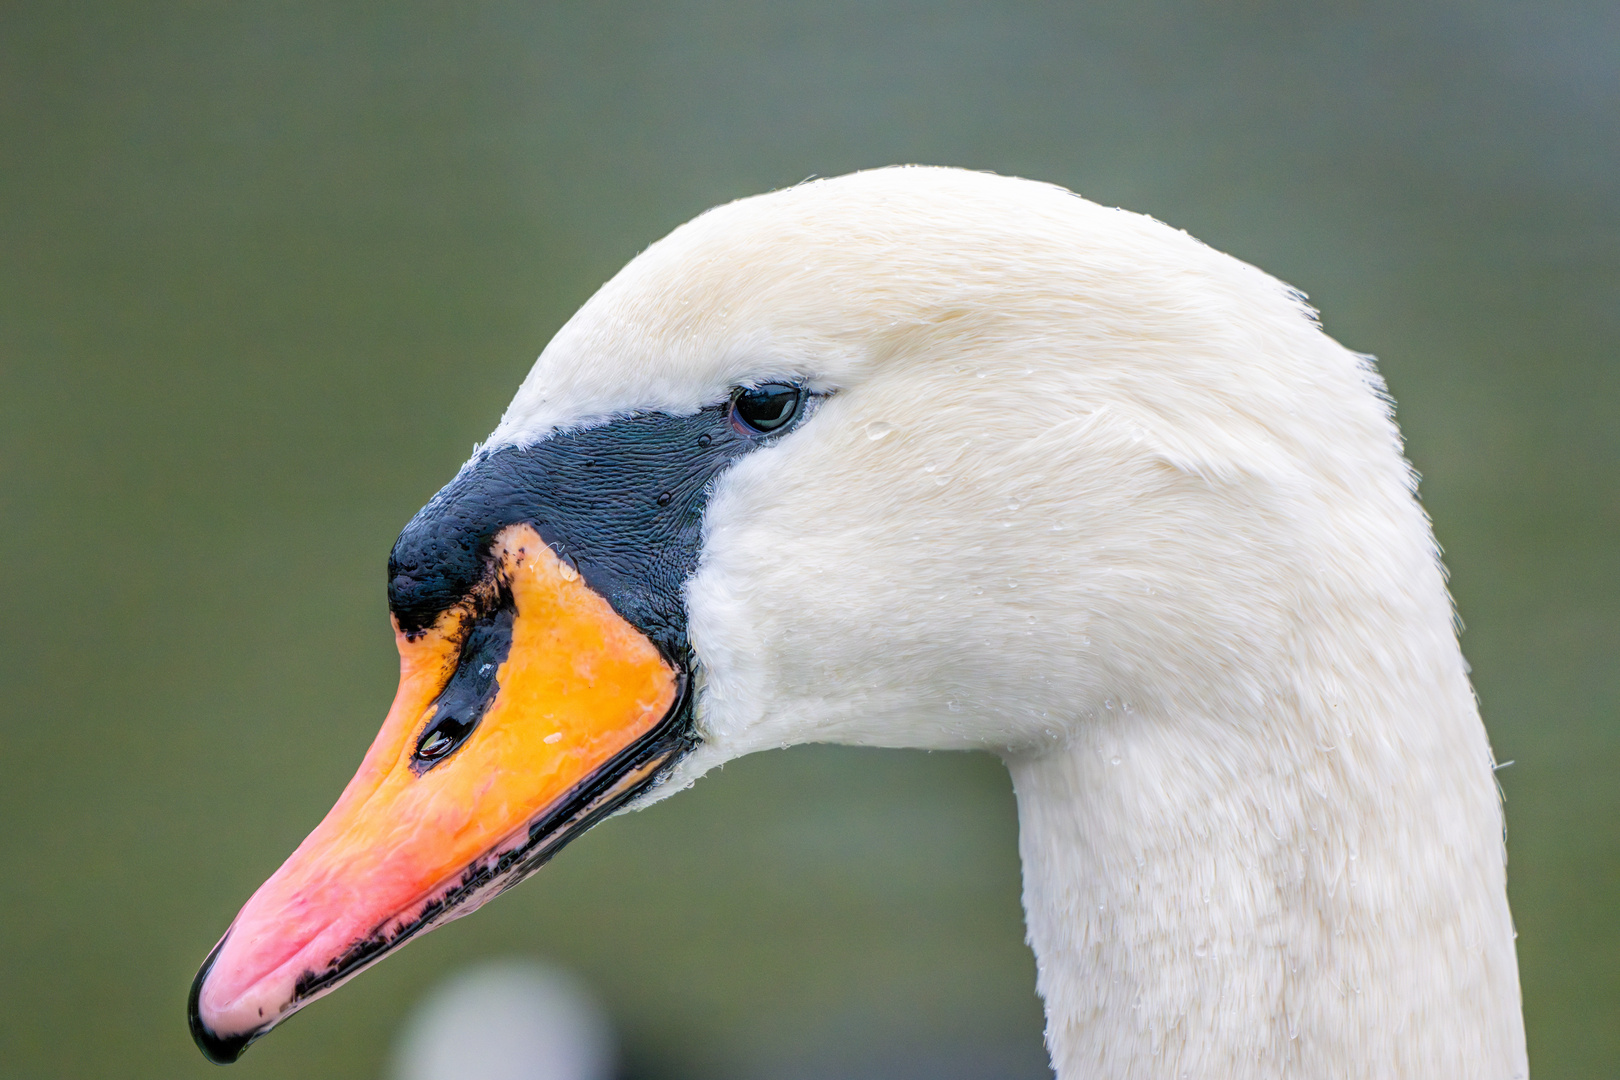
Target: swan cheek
(580,714)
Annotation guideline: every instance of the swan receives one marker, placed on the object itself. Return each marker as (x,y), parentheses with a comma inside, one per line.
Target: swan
(922,457)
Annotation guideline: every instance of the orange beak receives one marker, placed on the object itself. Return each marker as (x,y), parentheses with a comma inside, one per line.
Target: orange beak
(523,716)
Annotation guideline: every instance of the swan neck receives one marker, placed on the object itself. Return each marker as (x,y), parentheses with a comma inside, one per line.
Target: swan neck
(1220,896)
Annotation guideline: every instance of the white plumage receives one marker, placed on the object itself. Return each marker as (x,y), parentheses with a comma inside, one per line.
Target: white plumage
(1097,498)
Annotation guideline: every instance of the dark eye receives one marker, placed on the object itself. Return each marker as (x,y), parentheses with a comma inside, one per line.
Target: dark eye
(766,408)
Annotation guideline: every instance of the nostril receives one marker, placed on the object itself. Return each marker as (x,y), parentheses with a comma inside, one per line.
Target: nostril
(471,689)
(447,733)
(434,745)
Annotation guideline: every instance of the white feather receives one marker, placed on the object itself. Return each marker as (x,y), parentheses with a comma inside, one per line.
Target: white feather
(1103,500)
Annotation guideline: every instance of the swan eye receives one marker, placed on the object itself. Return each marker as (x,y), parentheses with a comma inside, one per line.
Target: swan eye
(768,407)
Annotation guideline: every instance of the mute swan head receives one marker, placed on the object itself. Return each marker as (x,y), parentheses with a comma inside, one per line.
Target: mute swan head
(931,458)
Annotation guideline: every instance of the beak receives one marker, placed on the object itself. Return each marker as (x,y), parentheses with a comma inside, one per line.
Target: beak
(524,715)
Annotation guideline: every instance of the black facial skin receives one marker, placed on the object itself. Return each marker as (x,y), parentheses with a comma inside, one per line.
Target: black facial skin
(623,503)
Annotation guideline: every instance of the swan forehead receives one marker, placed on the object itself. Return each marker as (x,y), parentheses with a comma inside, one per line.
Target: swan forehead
(819,282)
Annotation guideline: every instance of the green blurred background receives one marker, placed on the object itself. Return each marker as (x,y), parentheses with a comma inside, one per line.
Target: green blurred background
(267,271)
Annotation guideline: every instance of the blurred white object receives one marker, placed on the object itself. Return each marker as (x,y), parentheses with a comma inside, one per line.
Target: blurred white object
(507,1020)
